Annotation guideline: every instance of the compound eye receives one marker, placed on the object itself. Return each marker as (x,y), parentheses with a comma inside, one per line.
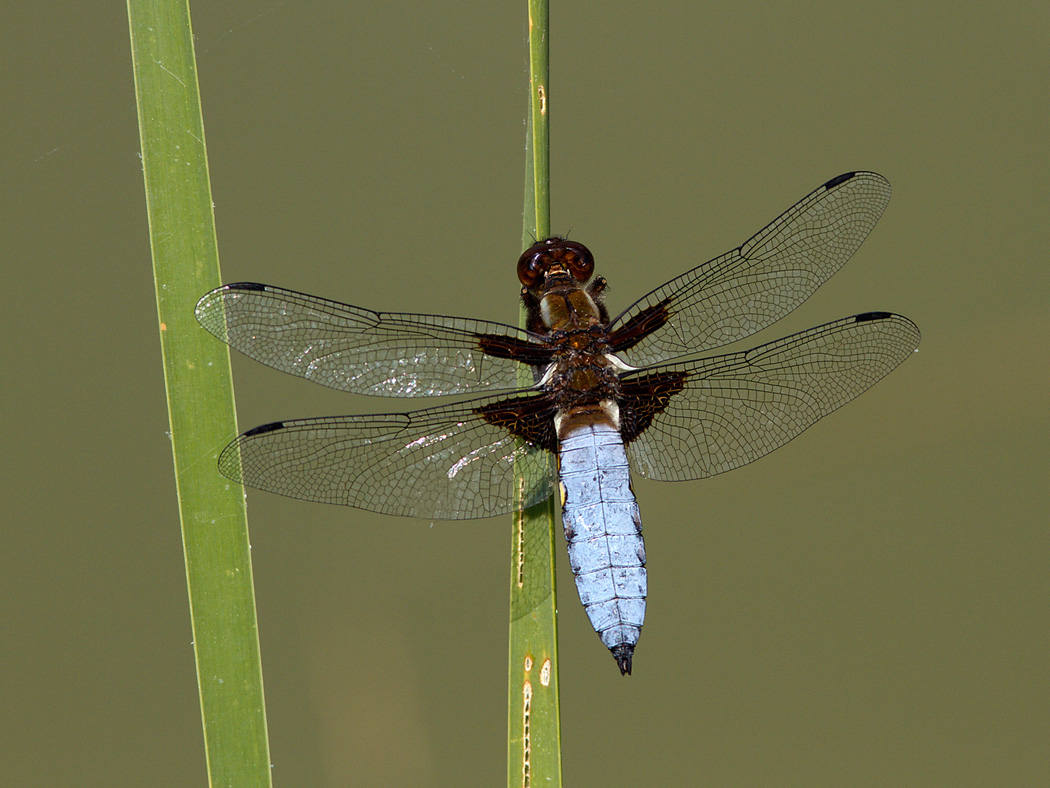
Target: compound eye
(579,260)
(533,264)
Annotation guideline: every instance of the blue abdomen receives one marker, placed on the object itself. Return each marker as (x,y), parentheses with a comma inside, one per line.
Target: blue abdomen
(604,531)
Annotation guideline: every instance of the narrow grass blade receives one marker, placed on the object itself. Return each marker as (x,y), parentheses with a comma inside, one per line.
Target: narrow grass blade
(534,725)
(200,394)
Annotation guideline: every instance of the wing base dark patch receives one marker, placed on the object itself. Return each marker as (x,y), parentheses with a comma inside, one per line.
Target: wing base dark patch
(528,418)
(640,326)
(645,397)
(514,349)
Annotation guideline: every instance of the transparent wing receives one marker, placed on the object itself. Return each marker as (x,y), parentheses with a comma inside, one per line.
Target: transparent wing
(723,412)
(756,284)
(445,463)
(357,350)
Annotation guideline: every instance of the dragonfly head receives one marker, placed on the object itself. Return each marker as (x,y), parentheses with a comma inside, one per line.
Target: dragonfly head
(555,260)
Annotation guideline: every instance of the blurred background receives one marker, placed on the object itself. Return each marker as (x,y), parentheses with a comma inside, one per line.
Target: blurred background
(866,606)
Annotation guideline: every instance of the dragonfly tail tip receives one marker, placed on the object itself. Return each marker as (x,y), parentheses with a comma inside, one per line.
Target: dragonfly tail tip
(622,654)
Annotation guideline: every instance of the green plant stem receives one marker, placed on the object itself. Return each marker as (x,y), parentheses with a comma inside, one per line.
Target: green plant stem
(534,719)
(200,395)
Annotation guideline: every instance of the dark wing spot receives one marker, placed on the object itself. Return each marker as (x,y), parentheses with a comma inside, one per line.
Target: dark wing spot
(839,179)
(245,286)
(868,316)
(273,426)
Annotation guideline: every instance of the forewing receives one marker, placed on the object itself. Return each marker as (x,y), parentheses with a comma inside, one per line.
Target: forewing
(446,463)
(364,352)
(756,284)
(716,414)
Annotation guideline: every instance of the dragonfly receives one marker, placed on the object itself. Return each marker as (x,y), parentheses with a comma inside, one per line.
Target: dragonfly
(611,396)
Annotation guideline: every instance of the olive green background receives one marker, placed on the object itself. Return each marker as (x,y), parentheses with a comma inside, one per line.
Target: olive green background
(868,606)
